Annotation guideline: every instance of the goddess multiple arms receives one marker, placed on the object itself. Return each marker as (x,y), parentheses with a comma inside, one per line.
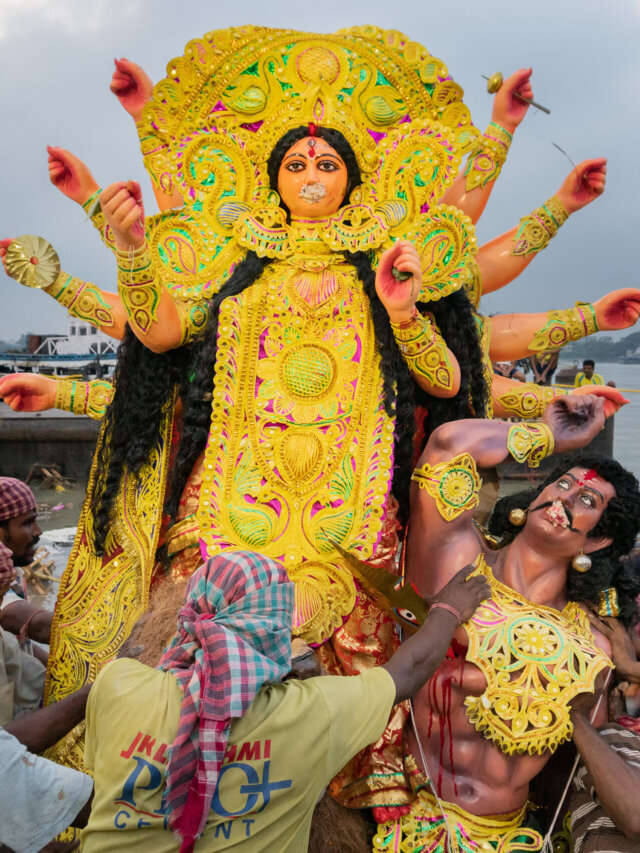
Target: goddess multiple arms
(133,88)
(471,190)
(506,256)
(84,300)
(514,336)
(513,399)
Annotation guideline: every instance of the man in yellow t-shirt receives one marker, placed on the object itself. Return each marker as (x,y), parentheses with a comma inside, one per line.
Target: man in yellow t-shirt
(280,754)
(586,376)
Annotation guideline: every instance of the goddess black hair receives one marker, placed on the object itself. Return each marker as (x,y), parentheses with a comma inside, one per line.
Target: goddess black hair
(147,383)
(620,521)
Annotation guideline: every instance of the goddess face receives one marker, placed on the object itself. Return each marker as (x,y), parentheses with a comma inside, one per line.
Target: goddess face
(312,179)
(569,508)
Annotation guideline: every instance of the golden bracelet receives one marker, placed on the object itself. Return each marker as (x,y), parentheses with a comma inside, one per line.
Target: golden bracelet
(424,350)
(100,394)
(82,299)
(535,230)
(484,164)
(572,324)
(528,401)
(455,484)
(530,443)
(95,214)
(137,287)
(71,396)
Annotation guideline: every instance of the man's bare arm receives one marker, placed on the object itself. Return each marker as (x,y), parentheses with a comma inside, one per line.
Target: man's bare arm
(18,613)
(40,729)
(616,782)
(418,657)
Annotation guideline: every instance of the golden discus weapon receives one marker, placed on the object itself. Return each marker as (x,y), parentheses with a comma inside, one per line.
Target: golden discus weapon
(32,261)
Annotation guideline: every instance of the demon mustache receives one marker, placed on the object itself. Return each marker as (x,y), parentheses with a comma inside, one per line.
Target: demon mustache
(313,192)
(560,510)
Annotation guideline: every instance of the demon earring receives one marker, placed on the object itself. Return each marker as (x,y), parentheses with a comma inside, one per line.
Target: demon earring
(581,562)
(517,517)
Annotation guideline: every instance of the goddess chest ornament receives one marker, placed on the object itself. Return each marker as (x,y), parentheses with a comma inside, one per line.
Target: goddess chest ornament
(536,660)
(300,447)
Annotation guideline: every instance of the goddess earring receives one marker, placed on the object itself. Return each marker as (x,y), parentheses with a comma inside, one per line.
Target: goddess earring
(581,562)
(517,517)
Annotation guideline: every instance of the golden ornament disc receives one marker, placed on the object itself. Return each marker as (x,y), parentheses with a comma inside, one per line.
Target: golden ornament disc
(32,261)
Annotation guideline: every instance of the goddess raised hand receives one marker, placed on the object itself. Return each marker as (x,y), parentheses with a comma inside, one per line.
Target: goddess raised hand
(472,188)
(70,175)
(132,86)
(431,363)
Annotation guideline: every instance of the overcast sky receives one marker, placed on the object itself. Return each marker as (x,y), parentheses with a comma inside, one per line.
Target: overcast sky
(56,59)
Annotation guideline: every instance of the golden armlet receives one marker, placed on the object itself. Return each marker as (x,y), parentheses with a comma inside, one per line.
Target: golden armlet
(528,401)
(424,350)
(454,484)
(572,324)
(137,287)
(535,230)
(530,443)
(485,163)
(193,319)
(82,300)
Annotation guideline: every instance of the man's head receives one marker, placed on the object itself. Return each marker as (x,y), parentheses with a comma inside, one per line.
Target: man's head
(588,366)
(19,529)
(234,636)
(588,503)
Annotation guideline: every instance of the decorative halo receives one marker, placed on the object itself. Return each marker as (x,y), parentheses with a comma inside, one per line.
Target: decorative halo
(32,261)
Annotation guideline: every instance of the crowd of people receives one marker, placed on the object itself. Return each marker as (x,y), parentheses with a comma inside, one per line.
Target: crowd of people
(190,731)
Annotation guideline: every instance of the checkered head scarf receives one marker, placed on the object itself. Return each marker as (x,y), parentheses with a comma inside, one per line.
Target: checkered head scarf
(16,498)
(234,636)
(6,559)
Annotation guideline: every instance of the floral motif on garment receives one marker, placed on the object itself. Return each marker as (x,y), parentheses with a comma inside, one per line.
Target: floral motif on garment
(300,447)
(536,660)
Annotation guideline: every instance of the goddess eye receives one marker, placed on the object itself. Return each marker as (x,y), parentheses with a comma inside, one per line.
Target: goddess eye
(296,166)
(327,166)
